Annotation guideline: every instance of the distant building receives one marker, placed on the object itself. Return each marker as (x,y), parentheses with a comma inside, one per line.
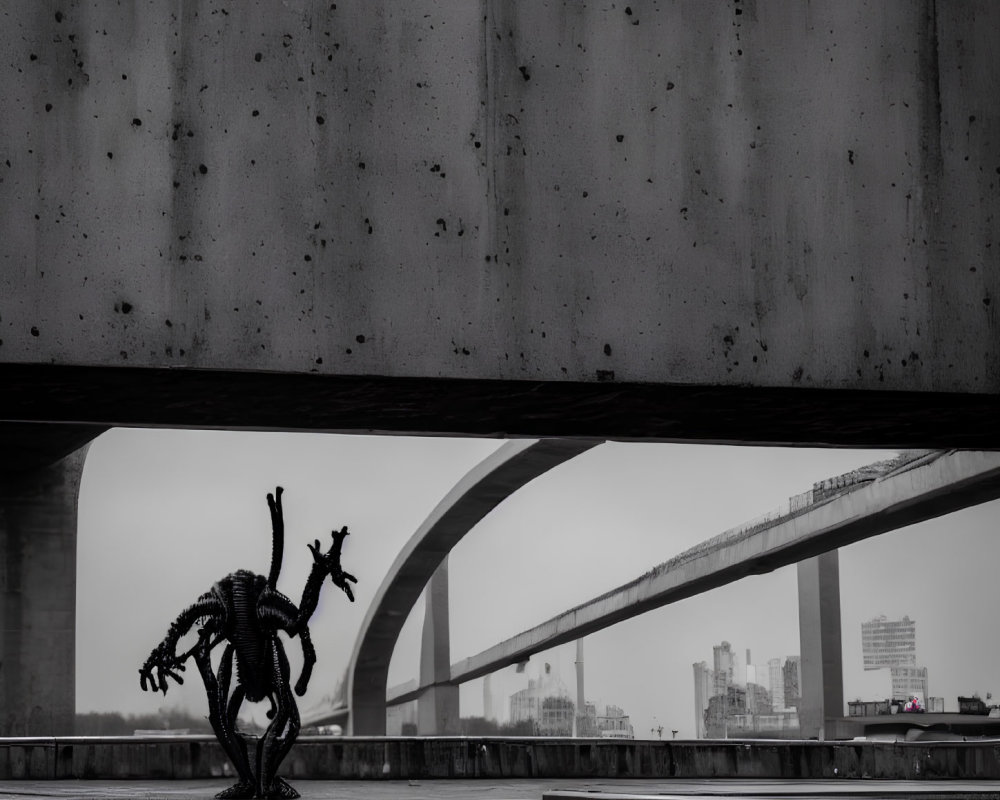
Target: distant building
(530,704)
(614,723)
(586,721)
(704,689)
(611,723)
(972,705)
(758,699)
(892,643)
(722,709)
(776,683)
(556,717)
(792,678)
(889,642)
(909,681)
(527,703)
(724,663)
(726,717)
(725,708)
(867,708)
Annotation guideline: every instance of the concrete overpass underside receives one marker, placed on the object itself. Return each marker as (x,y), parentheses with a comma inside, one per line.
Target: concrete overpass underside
(51,410)
(490,218)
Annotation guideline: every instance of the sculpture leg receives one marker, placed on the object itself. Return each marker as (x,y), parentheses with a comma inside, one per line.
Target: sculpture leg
(218,714)
(280,735)
(232,710)
(235,702)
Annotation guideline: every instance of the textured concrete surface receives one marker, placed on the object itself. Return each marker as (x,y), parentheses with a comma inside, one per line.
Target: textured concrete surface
(102,396)
(774,789)
(491,758)
(38,598)
(746,194)
(822,665)
(438,711)
(512,789)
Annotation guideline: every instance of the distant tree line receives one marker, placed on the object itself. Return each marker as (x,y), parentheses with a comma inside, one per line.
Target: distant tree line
(480,726)
(112,723)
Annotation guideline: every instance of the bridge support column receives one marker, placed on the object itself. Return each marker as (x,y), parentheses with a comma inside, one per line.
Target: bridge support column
(822,678)
(437,707)
(38,521)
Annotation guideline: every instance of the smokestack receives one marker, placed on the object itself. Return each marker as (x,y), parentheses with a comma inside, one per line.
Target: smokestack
(581,708)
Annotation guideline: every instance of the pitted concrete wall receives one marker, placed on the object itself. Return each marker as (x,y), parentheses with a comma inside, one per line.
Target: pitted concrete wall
(38,518)
(766,194)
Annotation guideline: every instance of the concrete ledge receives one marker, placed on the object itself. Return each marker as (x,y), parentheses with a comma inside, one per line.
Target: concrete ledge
(198,398)
(793,790)
(402,758)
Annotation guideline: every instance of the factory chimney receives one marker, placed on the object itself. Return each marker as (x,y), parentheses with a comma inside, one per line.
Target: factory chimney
(581,706)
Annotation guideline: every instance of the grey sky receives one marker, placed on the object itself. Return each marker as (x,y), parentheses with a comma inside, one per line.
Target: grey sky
(163,514)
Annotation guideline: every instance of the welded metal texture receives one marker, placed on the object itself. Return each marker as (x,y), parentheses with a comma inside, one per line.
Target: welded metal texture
(247,612)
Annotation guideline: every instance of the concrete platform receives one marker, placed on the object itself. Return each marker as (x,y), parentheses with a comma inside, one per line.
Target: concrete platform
(515,789)
(779,790)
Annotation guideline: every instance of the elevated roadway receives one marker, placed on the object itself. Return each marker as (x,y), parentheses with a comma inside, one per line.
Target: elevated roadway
(933,486)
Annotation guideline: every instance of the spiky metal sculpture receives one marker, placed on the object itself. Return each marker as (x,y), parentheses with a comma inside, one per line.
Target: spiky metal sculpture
(246,611)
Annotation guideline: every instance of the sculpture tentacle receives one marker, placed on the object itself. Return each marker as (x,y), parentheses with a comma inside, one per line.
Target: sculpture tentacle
(277,536)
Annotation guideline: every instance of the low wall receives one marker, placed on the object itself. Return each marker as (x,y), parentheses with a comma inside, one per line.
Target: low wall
(393,758)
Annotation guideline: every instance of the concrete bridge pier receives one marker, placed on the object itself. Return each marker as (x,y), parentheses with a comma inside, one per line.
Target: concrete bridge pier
(822,678)
(437,707)
(38,523)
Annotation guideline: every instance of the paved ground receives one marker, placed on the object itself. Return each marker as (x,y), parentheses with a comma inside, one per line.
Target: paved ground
(515,789)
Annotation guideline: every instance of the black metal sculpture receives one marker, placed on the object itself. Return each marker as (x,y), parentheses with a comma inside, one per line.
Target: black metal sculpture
(246,611)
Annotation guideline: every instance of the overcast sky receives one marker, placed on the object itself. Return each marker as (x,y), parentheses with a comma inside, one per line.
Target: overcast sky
(164,514)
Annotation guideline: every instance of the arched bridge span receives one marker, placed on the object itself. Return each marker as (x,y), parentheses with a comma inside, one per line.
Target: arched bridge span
(917,489)
(487,485)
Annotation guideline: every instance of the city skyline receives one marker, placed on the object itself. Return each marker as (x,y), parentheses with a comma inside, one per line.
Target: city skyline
(189,504)
(748,700)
